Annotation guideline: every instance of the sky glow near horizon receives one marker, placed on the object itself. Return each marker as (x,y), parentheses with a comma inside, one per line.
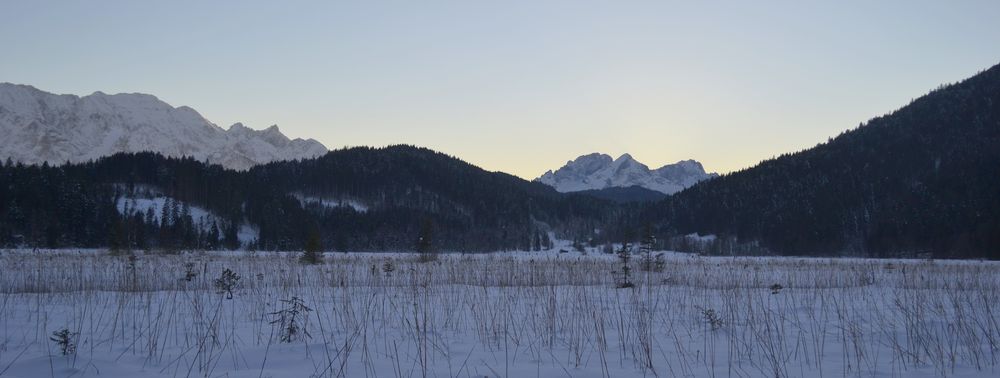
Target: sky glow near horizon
(515,86)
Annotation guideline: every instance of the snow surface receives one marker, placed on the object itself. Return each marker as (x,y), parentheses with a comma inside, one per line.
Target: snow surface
(203,219)
(332,202)
(599,171)
(43,127)
(701,238)
(524,314)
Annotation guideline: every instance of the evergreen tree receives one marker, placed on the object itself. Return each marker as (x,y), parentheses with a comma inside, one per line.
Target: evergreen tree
(212,238)
(425,241)
(646,247)
(624,278)
(311,255)
(231,239)
(165,218)
(117,239)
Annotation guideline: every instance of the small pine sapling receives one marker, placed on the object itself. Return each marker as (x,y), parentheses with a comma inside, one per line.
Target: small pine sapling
(132,270)
(227,282)
(660,263)
(776,288)
(189,272)
(291,320)
(388,267)
(623,279)
(66,341)
(647,264)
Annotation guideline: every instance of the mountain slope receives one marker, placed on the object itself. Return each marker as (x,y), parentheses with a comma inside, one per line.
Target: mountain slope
(361,199)
(42,127)
(599,171)
(628,194)
(924,179)
(483,208)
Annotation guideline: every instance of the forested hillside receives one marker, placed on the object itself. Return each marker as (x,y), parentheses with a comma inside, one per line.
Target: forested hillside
(399,189)
(923,180)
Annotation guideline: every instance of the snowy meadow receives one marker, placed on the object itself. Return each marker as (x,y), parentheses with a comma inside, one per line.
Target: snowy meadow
(87,314)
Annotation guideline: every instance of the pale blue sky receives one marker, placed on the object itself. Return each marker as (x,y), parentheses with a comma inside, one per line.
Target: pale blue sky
(517,86)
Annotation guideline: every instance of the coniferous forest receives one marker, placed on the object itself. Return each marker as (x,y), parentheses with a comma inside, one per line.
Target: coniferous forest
(402,188)
(921,181)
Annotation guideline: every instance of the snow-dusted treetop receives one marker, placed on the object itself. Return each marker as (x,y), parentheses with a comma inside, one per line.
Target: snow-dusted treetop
(600,171)
(38,127)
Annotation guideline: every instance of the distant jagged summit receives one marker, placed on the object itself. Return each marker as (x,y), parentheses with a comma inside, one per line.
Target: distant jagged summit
(599,171)
(43,127)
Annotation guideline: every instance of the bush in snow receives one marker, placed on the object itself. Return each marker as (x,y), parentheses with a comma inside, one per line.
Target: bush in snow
(711,317)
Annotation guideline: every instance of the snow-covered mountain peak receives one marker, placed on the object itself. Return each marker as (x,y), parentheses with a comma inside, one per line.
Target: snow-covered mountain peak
(588,164)
(626,162)
(45,127)
(594,157)
(238,127)
(598,171)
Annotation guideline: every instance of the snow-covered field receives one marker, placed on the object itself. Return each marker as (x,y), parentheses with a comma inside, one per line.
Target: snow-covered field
(504,314)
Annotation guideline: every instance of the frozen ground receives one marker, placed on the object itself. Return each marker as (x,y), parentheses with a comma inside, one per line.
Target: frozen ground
(517,315)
